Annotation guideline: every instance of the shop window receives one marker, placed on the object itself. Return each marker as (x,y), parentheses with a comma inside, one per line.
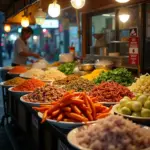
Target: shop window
(103,24)
(124,30)
(146,53)
(74,38)
(133,20)
(131,23)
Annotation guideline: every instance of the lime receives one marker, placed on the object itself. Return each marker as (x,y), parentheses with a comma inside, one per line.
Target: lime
(136,106)
(136,114)
(129,105)
(142,99)
(125,111)
(123,102)
(147,105)
(145,112)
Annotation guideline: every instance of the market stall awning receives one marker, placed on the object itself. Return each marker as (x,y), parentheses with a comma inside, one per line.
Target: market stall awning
(14,16)
(16,19)
(32,8)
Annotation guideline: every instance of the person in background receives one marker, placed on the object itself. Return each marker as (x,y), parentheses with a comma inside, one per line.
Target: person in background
(56,56)
(46,46)
(46,50)
(9,48)
(52,50)
(21,49)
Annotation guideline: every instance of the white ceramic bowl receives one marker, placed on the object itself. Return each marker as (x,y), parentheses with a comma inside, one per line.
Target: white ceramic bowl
(141,120)
(65,125)
(30,103)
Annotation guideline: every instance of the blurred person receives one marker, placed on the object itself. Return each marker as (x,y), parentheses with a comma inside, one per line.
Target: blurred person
(52,50)
(21,49)
(34,47)
(9,48)
(56,56)
(46,46)
(46,50)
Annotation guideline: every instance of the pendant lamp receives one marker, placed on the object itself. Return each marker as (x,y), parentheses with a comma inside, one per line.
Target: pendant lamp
(25,21)
(124,15)
(54,9)
(7,28)
(77,4)
(40,15)
(122,1)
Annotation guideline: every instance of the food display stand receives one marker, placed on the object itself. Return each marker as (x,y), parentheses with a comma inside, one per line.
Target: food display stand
(106,86)
(43,136)
(5,96)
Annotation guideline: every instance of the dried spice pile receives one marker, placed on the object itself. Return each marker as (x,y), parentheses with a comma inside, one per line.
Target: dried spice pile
(80,85)
(29,85)
(45,94)
(52,75)
(14,82)
(110,92)
(33,73)
(66,80)
(18,70)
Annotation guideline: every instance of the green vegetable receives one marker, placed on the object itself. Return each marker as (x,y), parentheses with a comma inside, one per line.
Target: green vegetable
(119,75)
(67,68)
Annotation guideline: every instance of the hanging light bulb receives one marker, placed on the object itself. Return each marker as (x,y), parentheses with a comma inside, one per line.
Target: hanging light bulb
(25,21)
(122,1)
(54,9)
(40,16)
(7,28)
(124,15)
(77,3)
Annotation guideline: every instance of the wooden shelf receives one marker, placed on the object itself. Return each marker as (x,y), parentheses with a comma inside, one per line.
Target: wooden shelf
(119,42)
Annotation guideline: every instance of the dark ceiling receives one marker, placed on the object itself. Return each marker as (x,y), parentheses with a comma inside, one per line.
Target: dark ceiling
(13,7)
(6,4)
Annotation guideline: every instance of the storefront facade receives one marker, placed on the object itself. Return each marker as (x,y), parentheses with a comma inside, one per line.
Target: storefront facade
(106,21)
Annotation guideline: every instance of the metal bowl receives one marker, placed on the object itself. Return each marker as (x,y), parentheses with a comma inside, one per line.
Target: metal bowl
(86,67)
(99,66)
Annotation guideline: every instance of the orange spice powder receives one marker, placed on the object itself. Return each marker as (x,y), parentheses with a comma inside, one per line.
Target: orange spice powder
(29,85)
(18,69)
